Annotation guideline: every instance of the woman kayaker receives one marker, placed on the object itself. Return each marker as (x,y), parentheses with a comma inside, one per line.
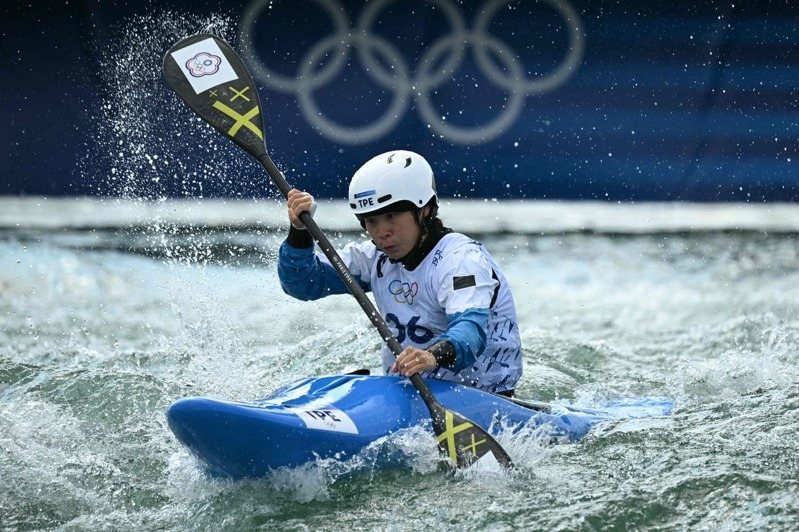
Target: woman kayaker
(442,294)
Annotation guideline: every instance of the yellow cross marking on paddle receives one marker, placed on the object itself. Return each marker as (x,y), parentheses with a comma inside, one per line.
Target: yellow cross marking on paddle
(473,445)
(212,93)
(449,434)
(241,120)
(240,93)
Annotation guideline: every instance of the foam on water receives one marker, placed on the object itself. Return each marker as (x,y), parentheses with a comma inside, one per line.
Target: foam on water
(96,344)
(752,354)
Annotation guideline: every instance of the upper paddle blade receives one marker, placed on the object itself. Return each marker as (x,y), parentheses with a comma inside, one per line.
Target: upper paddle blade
(463,441)
(211,78)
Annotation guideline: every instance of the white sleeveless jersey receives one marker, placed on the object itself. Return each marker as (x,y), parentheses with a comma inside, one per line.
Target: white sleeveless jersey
(457,275)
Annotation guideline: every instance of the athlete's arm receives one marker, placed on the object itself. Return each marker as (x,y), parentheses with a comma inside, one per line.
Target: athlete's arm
(303,275)
(463,341)
(466,290)
(456,349)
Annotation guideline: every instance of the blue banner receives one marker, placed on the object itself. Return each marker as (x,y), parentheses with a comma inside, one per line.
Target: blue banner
(571,99)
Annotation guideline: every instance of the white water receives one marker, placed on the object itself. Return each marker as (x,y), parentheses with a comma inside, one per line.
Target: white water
(109,311)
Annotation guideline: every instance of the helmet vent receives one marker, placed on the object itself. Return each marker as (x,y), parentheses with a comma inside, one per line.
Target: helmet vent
(381,199)
(391,160)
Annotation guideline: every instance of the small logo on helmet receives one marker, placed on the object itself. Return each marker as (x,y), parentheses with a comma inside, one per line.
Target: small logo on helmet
(365,193)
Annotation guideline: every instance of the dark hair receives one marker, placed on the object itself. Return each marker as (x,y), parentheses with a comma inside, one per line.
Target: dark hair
(433,224)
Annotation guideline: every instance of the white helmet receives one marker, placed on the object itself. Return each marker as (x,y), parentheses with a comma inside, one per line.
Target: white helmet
(390,178)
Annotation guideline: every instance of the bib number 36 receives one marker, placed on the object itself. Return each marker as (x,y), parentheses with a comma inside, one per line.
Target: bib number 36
(416,333)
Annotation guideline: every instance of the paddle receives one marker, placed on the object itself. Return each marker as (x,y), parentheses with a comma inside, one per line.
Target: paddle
(212,79)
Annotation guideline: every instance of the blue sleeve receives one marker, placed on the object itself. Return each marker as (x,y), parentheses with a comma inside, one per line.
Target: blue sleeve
(304,276)
(466,331)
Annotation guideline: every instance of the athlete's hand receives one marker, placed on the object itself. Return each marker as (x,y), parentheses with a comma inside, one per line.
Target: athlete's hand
(298,202)
(413,360)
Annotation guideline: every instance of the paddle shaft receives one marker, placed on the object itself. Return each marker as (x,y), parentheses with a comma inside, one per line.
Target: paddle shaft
(355,289)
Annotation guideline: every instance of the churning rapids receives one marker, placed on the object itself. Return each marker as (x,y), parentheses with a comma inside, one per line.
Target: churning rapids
(111,310)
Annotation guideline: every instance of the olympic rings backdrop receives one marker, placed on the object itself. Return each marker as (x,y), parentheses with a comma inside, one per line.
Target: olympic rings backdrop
(578,99)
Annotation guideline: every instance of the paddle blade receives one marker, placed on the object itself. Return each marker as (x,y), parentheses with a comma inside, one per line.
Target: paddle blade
(212,79)
(464,442)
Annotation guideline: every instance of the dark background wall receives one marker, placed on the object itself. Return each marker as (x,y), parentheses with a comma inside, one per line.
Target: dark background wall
(616,100)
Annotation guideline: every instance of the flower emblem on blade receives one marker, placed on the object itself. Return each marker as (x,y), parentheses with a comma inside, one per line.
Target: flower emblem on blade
(203,64)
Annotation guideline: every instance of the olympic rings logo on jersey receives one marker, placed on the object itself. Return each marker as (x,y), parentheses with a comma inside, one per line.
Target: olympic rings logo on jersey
(397,76)
(403,292)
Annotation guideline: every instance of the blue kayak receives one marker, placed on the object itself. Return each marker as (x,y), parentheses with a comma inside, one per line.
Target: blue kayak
(338,416)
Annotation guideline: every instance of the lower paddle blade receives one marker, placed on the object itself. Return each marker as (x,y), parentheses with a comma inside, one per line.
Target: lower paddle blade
(212,79)
(464,442)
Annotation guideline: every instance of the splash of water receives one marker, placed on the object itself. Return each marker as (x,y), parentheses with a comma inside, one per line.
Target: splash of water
(144,146)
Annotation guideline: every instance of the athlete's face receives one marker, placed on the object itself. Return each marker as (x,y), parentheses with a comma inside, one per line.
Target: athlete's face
(396,233)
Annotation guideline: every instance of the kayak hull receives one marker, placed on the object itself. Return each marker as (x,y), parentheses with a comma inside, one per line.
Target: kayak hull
(338,416)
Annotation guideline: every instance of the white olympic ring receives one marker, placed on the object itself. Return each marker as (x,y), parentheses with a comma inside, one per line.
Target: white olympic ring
(428,76)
